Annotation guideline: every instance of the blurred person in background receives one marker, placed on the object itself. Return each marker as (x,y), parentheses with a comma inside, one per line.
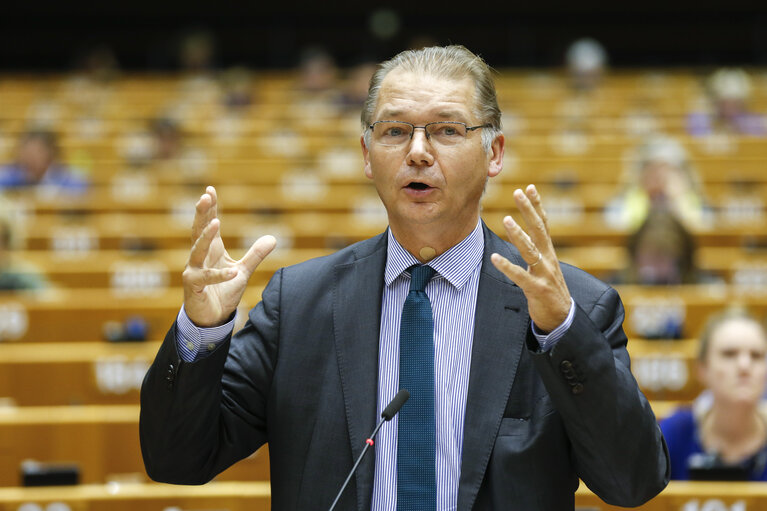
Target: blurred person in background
(661,252)
(15,276)
(728,429)
(355,89)
(38,165)
(729,91)
(236,88)
(317,71)
(662,178)
(168,139)
(317,92)
(586,61)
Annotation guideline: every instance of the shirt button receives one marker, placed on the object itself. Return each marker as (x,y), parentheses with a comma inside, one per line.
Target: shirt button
(190,345)
(211,346)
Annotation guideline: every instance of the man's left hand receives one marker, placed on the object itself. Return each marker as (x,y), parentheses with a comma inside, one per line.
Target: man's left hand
(542,282)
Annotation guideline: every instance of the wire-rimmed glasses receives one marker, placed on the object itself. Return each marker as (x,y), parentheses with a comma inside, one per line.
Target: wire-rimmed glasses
(399,133)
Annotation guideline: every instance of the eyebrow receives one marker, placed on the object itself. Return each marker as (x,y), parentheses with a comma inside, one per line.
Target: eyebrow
(453,115)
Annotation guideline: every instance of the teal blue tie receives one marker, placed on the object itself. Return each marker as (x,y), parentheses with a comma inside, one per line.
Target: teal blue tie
(416,479)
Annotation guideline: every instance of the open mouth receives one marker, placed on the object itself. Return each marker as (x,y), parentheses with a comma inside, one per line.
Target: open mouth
(415,185)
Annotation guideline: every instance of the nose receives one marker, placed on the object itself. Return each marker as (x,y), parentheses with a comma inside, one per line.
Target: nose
(420,150)
(744,361)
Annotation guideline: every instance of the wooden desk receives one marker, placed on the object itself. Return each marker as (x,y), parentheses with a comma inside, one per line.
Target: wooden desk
(690,496)
(102,440)
(80,314)
(650,309)
(160,269)
(326,230)
(103,373)
(134,270)
(255,496)
(666,369)
(74,373)
(232,496)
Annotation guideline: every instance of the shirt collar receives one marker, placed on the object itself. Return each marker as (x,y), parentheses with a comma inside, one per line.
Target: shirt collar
(456,265)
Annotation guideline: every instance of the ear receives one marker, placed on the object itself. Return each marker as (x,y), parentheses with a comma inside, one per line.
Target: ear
(366,157)
(495,164)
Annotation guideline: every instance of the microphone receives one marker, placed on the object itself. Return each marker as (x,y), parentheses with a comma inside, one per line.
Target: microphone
(389,412)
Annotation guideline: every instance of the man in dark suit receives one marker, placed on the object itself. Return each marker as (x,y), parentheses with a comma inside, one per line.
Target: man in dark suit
(531,379)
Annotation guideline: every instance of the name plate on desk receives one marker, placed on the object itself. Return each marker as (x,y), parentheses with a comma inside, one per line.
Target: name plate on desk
(691,496)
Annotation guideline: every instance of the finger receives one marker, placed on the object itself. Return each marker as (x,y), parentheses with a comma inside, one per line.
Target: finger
(257,252)
(521,240)
(202,244)
(210,190)
(198,278)
(535,198)
(515,273)
(536,229)
(205,211)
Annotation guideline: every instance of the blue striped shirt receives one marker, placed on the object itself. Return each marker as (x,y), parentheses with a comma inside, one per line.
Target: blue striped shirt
(453,295)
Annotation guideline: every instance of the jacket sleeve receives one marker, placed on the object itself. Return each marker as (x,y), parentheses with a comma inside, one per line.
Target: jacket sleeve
(198,418)
(617,446)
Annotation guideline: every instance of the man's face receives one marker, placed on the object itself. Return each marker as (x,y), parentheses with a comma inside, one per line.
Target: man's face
(423,182)
(35,156)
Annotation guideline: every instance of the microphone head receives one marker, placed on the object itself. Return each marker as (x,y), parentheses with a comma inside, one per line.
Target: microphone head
(395,404)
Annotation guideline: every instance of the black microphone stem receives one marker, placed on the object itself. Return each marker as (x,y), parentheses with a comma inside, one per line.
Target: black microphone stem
(389,412)
(368,443)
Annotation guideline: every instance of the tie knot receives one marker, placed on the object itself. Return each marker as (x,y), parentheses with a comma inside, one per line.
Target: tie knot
(420,275)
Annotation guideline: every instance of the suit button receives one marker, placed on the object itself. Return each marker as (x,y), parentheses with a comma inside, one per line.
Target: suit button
(577,388)
(565,366)
(170,376)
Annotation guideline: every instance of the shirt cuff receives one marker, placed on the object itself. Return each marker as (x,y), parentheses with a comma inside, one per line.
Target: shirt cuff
(194,342)
(547,341)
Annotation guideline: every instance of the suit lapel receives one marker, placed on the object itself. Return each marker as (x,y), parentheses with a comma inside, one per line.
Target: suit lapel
(357,296)
(500,328)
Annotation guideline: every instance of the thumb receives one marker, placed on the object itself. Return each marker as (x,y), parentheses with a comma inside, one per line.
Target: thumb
(257,252)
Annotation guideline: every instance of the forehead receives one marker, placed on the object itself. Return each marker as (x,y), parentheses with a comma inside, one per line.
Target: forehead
(405,95)
(738,333)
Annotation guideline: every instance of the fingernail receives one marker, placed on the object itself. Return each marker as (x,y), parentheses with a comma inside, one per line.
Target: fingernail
(508,221)
(533,191)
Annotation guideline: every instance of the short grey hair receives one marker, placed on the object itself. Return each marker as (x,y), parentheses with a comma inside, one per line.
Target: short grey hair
(454,62)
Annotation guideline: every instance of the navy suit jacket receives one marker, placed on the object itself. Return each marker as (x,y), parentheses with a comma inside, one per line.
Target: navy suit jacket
(302,375)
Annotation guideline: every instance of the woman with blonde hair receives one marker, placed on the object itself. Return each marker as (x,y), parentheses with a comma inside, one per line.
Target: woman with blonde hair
(728,429)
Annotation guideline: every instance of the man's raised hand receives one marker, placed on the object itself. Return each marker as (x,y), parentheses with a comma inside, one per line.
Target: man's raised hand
(543,283)
(214,282)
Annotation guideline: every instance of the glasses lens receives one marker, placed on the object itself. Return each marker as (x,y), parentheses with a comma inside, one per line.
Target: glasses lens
(446,133)
(392,132)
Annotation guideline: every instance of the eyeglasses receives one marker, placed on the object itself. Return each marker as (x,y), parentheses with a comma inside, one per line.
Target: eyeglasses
(398,133)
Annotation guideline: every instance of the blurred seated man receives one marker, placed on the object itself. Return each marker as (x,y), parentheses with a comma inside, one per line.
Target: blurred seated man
(729,91)
(726,438)
(37,164)
(662,177)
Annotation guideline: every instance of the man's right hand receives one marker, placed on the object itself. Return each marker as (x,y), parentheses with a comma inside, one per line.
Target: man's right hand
(214,282)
